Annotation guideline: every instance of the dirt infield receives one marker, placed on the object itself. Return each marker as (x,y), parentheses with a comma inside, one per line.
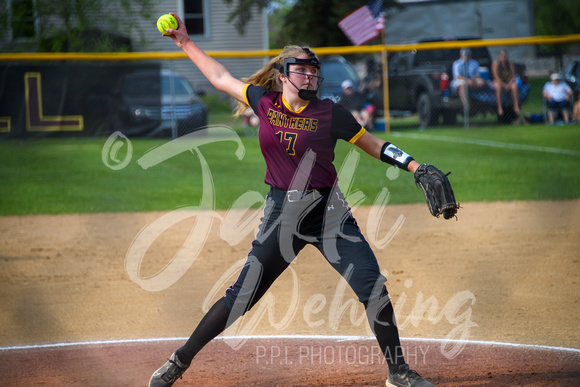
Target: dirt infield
(293,362)
(504,272)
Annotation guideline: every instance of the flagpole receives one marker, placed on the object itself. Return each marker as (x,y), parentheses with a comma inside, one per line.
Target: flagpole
(386,113)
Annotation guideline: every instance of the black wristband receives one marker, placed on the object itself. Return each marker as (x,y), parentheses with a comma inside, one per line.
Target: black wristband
(390,154)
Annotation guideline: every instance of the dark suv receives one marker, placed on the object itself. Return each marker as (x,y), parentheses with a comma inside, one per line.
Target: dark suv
(335,69)
(153,103)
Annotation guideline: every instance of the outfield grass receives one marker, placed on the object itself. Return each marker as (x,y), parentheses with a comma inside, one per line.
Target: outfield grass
(51,176)
(535,102)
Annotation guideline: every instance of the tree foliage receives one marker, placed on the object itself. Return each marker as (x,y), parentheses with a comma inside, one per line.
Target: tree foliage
(314,22)
(556,17)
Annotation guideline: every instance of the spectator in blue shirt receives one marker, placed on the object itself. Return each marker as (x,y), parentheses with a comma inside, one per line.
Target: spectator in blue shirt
(466,72)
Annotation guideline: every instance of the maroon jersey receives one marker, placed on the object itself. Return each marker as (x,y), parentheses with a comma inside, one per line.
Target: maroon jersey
(286,136)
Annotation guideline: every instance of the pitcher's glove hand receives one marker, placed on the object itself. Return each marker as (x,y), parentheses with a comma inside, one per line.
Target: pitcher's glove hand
(437,190)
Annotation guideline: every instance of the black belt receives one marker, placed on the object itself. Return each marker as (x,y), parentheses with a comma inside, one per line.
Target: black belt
(294,195)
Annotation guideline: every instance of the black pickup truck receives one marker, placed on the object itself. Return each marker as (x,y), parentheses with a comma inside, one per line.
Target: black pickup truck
(420,81)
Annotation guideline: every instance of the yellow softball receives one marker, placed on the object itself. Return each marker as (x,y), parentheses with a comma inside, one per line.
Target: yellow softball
(166,21)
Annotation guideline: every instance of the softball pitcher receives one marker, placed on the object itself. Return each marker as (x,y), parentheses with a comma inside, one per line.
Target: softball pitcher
(298,133)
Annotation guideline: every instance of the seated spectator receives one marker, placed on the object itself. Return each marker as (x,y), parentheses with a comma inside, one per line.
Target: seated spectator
(466,74)
(356,103)
(576,111)
(372,84)
(503,74)
(558,96)
(373,93)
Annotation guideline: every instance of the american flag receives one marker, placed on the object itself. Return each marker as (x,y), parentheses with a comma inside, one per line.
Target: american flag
(364,23)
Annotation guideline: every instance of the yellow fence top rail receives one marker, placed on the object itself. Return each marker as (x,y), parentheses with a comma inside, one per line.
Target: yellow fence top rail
(344,50)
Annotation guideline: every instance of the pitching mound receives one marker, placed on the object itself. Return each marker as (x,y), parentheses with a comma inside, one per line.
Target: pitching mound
(504,272)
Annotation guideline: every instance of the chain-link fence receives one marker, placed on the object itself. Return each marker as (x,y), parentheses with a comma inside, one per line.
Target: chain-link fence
(48,95)
(436,87)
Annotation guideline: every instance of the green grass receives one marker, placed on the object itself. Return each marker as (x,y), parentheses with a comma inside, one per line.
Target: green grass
(535,102)
(51,176)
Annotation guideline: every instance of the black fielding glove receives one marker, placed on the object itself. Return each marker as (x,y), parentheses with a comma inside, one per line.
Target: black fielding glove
(437,189)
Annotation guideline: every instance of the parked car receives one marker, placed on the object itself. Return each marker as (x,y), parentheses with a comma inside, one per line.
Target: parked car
(152,103)
(335,69)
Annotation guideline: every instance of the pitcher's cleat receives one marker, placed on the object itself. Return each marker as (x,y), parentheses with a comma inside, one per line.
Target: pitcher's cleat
(405,377)
(168,373)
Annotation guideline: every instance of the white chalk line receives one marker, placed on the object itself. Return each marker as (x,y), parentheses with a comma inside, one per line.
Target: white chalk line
(286,337)
(489,143)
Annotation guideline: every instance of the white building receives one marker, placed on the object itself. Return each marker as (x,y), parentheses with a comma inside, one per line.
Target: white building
(206,21)
(208,27)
